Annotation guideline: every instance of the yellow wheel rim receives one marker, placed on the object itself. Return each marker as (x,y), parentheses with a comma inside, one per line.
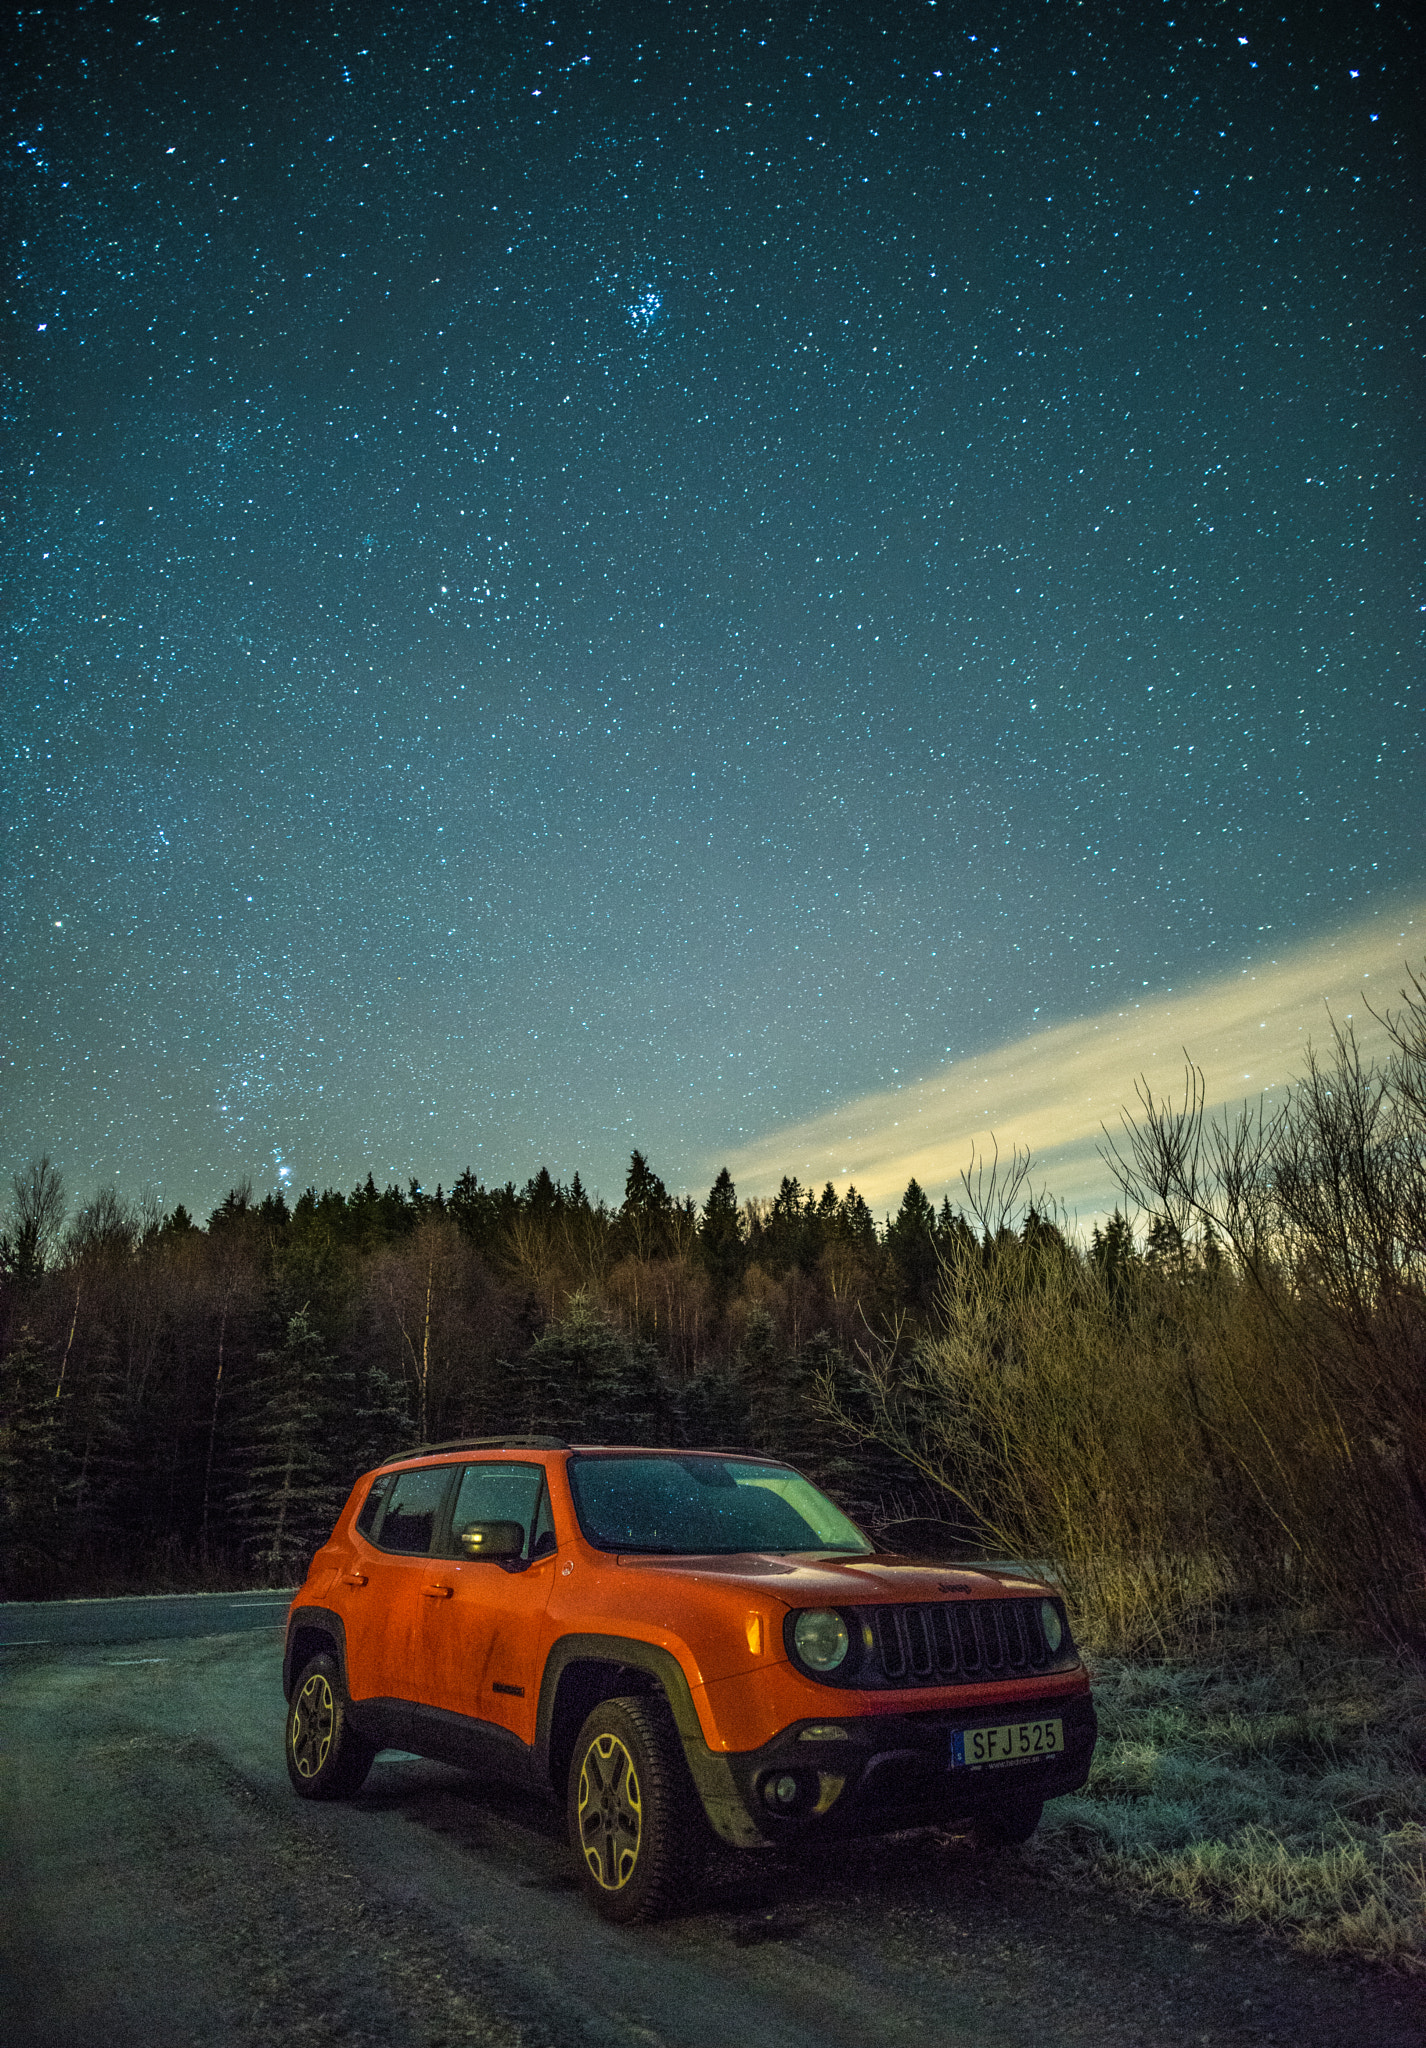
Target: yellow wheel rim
(314,1720)
(611,1815)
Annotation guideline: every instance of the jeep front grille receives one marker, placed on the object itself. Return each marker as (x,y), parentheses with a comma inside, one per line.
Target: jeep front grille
(955,1642)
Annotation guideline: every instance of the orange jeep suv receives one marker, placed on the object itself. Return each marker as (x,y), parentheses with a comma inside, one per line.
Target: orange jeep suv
(671,1641)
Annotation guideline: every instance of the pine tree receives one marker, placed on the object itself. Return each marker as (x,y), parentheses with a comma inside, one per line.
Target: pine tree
(586,1379)
(858,1221)
(954,1236)
(541,1196)
(32,1481)
(647,1209)
(294,1476)
(764,1373)
(379,1421)
(714,1409)
(1113,1254)
(911,1240)
(1164,1246)
(1039,1234)
(643,1190)
(720,1235)
(1210,1251)
(854,1473)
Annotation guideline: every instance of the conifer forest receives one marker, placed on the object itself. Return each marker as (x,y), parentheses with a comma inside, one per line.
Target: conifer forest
(1215,1401)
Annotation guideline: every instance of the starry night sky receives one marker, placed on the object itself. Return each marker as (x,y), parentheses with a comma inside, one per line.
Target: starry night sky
(589,576)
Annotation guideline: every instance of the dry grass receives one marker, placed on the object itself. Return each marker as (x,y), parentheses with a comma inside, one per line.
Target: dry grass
(1174,1443)
(1242,1391)
(1279,1790)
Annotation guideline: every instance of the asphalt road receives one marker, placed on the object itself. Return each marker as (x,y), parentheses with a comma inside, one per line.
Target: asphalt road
(161,1887)
(152,1617)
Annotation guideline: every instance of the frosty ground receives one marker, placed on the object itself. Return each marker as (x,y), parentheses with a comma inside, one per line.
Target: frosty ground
(163,1886)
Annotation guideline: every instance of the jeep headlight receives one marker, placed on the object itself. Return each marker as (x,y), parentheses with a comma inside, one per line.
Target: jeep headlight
(1052,1625)
(821,1639)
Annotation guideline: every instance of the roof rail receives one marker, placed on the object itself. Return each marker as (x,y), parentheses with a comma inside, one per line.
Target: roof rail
(481,1443)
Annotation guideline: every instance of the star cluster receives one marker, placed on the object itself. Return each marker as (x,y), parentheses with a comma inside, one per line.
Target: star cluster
(608,575)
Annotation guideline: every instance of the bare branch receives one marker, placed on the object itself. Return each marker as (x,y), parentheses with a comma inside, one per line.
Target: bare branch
(994,1191)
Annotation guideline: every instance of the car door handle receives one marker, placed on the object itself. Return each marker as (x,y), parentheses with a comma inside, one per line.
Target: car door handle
(353,1578)
(439,1592)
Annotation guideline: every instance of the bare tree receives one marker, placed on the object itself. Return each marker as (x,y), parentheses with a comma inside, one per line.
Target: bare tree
(997,1190)
(27,1248)
(1322,1205)
(237,1284)
(587,1235)
(425,1283)
(531,1250)
(1407,1031)
(1201,1173)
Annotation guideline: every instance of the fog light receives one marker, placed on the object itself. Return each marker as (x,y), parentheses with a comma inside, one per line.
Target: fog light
(782,1791)
(829,1791)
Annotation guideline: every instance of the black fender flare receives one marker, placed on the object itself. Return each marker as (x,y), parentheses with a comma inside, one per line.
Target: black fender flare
(323,1621)
(711,1773)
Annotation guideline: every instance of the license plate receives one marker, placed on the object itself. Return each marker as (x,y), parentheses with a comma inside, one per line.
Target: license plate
(1016,1742)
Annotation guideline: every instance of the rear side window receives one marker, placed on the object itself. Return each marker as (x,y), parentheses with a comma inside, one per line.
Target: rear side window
(371,1506)
(412,1506)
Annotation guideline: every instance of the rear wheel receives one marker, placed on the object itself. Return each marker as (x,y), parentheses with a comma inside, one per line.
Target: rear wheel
(1008,1826)
(634,1821)
(326,1758)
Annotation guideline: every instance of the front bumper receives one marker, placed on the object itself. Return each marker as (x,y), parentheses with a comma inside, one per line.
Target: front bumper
(893,1771)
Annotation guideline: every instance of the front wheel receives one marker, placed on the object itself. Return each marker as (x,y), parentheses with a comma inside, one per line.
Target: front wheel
(1008,1826)
(634,1822)
(326,1758)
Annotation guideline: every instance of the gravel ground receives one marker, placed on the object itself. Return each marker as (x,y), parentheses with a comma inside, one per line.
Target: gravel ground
(161,1885)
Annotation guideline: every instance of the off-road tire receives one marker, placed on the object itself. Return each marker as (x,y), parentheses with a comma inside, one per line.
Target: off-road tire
(635,1824)
(326,1758)
(1008,1826)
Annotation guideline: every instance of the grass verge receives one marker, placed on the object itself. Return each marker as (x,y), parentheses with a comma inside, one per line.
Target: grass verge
(1279,1790)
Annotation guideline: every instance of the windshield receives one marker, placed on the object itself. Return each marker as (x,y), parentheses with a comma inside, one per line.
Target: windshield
(701,1506)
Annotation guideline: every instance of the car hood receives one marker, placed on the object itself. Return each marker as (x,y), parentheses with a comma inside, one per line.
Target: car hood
(846,1581)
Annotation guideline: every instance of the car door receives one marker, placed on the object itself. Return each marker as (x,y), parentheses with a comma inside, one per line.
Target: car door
(387,1592)
(482,1637)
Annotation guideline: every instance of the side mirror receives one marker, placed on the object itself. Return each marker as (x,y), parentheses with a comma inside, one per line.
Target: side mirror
(492,1539)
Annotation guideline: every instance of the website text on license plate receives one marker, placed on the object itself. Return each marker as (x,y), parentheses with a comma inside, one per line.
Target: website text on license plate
(1014,1742)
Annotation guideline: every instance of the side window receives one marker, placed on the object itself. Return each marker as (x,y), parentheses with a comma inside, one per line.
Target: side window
(501,1492)
(371,1506)
(411,1510)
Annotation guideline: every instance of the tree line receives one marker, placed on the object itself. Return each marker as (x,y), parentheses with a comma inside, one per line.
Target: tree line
(1221,1402)
(185,1401)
